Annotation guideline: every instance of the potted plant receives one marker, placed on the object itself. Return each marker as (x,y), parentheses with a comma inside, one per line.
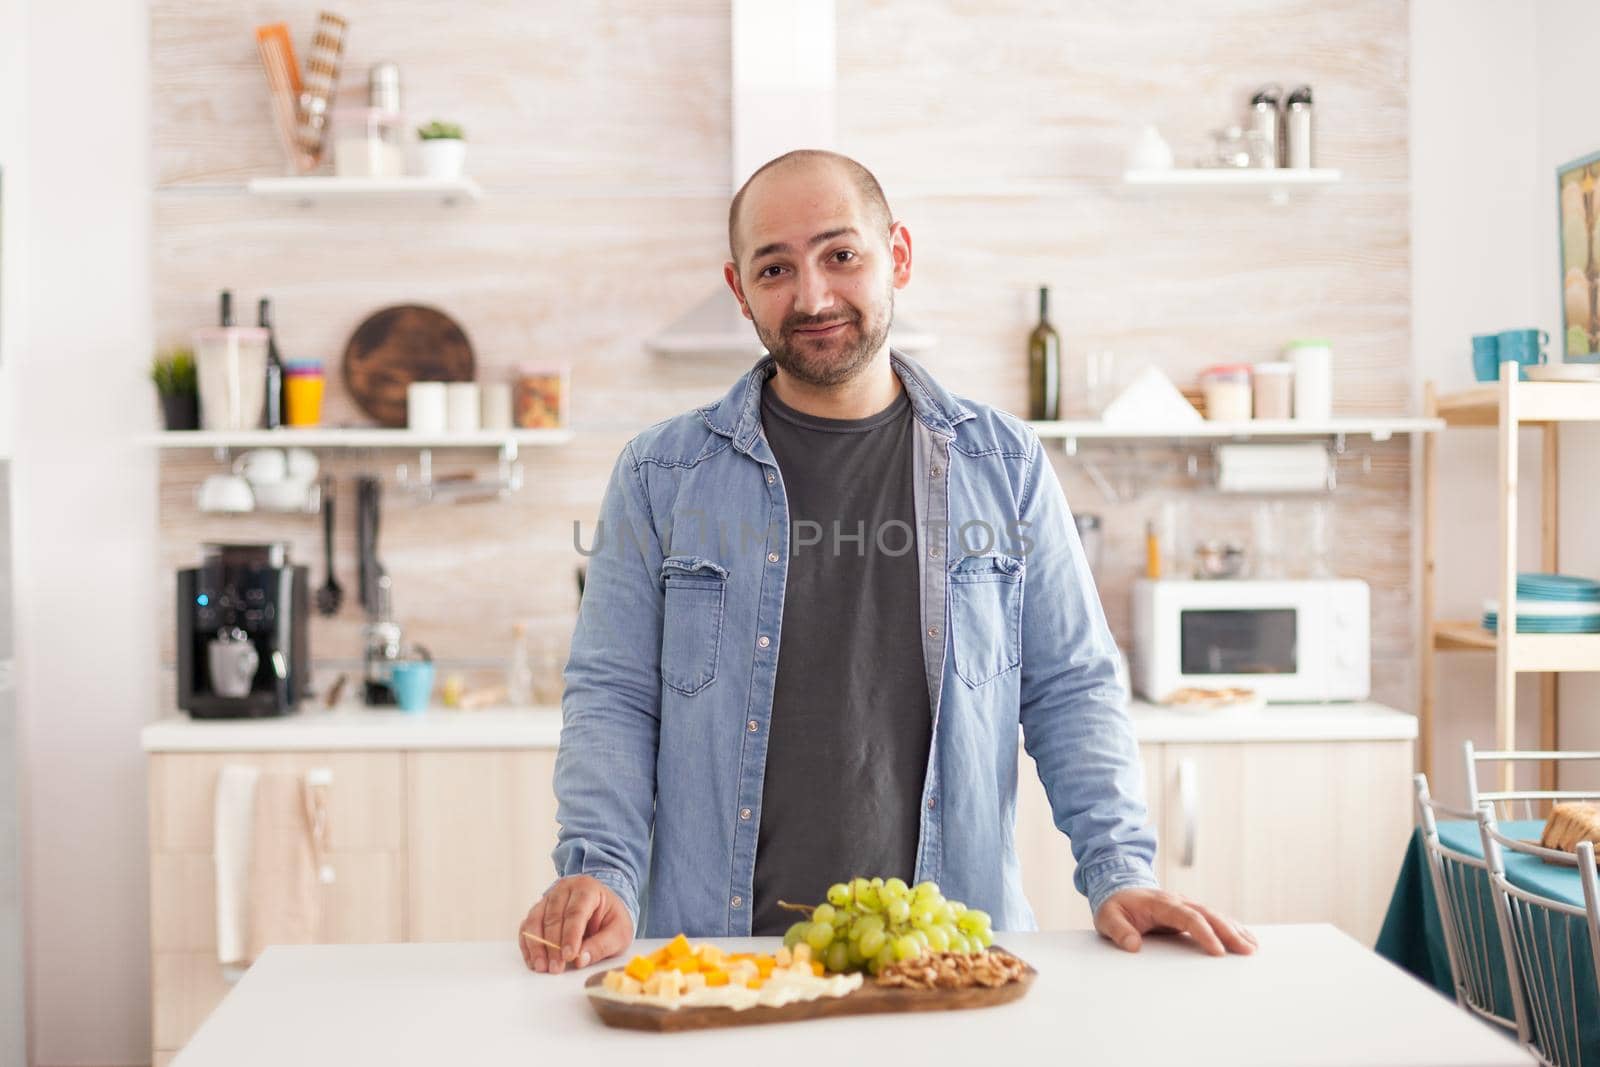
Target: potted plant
(443,148)
(175,382)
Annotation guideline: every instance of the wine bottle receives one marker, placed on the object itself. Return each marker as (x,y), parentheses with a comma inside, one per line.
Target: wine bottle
(1044,365)
(273,416)
(226,316)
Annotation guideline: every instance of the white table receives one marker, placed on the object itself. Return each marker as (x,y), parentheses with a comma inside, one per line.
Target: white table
(1311,995)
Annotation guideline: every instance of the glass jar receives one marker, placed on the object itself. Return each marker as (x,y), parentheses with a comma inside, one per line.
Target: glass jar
(368,142)
(1274,390)
(540,396)
(1227,389)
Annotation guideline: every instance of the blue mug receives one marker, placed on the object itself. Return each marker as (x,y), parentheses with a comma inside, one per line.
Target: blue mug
(1486,357)
(413,684)
(1524,347)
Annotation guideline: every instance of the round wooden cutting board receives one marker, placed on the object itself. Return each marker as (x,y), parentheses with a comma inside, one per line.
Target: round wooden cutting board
(400,345)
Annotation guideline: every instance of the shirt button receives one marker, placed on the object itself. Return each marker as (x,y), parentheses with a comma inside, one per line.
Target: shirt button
(752,726)
(938,471)
(744,813)
(930,803)
(933,631)
(737,902)
(771,477)
(934,552)
(763,641)
(772,557)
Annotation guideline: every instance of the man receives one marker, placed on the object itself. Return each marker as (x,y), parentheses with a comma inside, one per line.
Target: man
(816,614)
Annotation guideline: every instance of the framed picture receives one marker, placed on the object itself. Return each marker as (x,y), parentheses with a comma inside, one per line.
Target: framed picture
(1578,200)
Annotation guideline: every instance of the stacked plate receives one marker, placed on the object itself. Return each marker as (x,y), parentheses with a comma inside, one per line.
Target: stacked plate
(1551,604)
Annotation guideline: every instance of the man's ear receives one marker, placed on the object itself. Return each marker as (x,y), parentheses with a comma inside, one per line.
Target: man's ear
(730,274)
(900,253)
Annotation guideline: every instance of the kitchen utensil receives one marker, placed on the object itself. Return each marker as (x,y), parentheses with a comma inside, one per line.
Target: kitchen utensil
(283,89)
(427,407)
(231,362)
(303,389)
(320,79)
(1297,129)
(1274,390)
(331,594)
(1265,120)
(1313,378)
(368,491)
(368,143)
(400,345)
(496,406)
(380,639)
(225,492)
(1564,372)
(231,660)
(461,407)
(262,466)
(1486,357)
(383,87)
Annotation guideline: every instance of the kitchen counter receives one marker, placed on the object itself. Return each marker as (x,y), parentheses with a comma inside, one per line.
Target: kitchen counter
(1311,995)
(540,727)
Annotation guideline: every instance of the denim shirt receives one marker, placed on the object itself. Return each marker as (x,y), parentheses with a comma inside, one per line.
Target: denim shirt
(669,684)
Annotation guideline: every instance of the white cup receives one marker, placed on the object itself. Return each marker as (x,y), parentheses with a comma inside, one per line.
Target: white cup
(264,466)
(496,408)
(302,465)
(225,492)
(425,407)
(287,495)
(1313,379)
(461,404)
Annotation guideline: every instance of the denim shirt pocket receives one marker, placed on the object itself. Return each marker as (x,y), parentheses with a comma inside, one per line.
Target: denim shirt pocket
(986,616)
(691,624)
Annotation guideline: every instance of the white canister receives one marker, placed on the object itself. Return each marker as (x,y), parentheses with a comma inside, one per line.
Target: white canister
(461,406)
(1227,391)
(1274,390)
(1313,378)
(425,407)
(496,408)
(231,366)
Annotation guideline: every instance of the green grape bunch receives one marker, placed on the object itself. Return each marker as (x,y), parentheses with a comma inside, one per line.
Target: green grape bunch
(867,924)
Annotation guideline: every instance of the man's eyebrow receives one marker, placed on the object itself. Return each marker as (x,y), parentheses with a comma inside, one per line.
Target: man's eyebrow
(824,236)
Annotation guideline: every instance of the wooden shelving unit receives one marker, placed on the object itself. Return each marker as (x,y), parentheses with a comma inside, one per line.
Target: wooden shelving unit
(1507,406)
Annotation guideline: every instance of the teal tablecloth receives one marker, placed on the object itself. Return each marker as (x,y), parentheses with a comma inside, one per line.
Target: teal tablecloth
(1413,938)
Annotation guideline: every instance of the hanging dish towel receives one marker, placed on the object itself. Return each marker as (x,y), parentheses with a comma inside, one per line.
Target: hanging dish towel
(232,826)
(285,896)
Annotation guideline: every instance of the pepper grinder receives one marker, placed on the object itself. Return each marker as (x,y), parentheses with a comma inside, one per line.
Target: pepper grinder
(1299,128)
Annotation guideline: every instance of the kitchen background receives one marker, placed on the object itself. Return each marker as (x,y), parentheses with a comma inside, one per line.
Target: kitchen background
(600,135)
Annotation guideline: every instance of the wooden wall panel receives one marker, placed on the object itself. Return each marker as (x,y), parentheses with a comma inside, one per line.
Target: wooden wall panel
(600,135)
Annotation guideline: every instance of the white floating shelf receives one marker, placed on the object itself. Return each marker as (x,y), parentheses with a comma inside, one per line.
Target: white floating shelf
(1276,183)
(319,437)
(1378,428)
(310,190)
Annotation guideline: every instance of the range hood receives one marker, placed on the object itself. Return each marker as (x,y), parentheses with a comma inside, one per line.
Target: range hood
(783,99)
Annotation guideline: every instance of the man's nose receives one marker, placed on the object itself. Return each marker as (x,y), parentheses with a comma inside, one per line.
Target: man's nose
(815,295)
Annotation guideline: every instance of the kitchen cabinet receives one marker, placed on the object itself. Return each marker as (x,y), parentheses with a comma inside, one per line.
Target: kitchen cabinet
(1262,831)
(364,904)
(441,825)
(1277,832)
(482,825)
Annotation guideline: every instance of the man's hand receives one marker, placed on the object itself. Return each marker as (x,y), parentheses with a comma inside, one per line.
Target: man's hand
(581,915)
(1126,915)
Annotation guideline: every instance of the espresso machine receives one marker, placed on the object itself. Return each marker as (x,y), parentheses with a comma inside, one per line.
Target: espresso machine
(242,642)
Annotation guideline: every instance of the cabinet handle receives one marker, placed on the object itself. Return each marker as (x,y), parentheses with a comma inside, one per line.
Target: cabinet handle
(1189,801)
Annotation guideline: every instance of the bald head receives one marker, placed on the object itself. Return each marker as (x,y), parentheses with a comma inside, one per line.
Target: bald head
(874,206)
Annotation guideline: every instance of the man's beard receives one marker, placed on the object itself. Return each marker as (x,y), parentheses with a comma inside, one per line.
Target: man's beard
(834,360)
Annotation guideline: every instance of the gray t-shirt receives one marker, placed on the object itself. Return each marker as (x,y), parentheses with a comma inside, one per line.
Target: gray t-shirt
(851,720)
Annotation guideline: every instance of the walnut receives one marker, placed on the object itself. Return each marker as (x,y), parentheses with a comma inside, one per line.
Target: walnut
(953,970)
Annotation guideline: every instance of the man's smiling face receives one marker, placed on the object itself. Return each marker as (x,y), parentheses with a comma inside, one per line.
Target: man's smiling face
(816,270)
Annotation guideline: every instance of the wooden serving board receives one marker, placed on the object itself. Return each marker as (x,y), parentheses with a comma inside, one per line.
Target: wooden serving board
(870,999)
(400,345)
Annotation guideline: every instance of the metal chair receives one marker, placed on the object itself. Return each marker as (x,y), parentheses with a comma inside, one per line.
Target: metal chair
(1461,887)
(1533,927)
(1521,803)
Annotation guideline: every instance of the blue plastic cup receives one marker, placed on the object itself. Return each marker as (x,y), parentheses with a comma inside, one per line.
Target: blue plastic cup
(412,684)
(1524,347)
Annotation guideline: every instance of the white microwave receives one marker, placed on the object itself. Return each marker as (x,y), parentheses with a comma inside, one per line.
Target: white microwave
(1287,640)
